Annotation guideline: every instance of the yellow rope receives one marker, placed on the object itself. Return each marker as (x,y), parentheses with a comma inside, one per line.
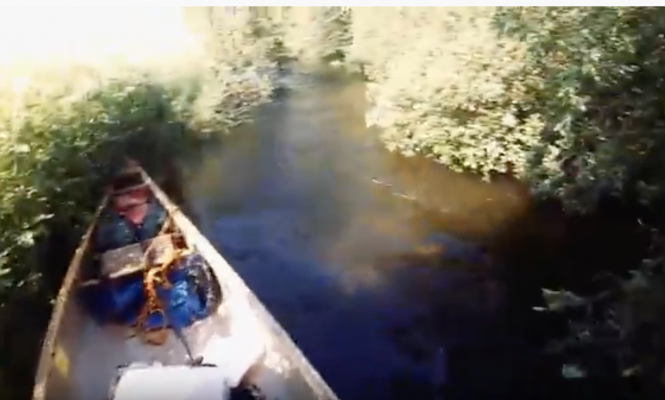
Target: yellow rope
(153,275)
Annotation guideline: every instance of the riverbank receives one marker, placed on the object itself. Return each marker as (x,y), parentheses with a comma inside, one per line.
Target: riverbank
(546,96)
(534,245)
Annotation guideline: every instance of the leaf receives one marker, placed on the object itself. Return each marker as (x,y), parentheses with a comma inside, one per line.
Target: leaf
(572,371)
(559,300)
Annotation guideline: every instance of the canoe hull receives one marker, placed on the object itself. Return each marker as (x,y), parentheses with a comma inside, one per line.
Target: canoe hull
(80,358)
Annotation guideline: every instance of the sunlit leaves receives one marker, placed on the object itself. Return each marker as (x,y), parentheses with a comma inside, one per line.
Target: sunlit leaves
(566,98)
(446,85)
(316,34)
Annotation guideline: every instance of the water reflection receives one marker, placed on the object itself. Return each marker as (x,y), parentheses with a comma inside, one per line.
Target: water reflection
(353,273)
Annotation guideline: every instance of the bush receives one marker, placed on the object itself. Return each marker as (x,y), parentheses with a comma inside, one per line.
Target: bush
(315,35)
(57,140)
(567,99)
(62,127)
(445,85)
(601,77)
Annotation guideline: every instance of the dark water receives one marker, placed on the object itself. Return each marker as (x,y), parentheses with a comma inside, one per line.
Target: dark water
(353,273)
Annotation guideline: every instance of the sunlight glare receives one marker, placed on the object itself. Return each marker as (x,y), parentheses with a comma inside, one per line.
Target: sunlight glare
(93,35)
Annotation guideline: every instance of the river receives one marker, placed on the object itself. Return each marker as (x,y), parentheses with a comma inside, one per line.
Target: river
(386,299)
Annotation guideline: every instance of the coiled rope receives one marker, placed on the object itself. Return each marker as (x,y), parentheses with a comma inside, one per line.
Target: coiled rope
(157,274)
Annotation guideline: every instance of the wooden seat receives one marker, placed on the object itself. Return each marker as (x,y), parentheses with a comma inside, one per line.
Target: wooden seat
(114,262)
(130,259)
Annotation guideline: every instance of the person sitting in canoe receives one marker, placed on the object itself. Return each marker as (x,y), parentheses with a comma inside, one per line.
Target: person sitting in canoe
(133,215)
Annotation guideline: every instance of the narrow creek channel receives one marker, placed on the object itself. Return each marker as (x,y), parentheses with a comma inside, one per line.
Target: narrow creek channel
(291,203)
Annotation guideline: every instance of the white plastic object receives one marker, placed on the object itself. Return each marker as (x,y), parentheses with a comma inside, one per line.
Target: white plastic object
(232,358)
(170,382)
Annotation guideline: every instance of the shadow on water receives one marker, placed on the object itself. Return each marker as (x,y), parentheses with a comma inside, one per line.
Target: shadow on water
(389,297)
(345,266)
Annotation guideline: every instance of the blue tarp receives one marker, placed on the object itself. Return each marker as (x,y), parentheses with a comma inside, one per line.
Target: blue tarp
(121,300)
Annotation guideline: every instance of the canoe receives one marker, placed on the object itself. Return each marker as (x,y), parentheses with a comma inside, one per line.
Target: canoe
(83,359)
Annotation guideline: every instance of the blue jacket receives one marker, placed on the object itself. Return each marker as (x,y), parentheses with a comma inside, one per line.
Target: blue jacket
(114,231)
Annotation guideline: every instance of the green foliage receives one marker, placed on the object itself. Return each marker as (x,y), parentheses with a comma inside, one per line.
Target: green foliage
(236,40)
(444,84)
(54,145)
(568,99)
(316,35)
(615,332)
(61,129)
(53,140)
(600,74)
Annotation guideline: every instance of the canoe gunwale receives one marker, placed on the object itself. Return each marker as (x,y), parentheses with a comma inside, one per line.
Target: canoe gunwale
(228,276)
(47,353)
